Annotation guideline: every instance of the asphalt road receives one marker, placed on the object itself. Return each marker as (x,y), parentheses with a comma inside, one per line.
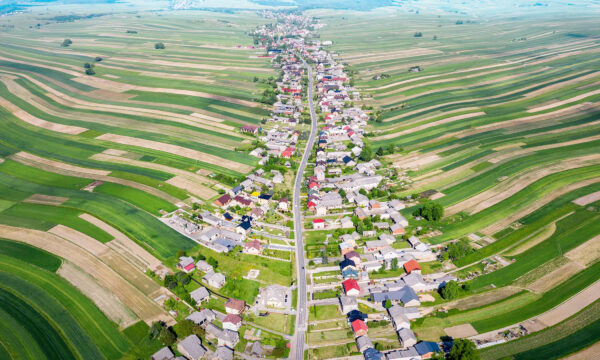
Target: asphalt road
(298,342)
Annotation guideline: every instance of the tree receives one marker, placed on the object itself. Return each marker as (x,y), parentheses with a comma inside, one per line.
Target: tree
(418,34)
(159,46)
(167,336)
(430,211)
(366,154)
(463,349)
(212,261)
(154,331)
(380,151)
(90,71)
(387,304)
(394,264)
(342,193)
(66,42)
(450,290)
(98,59)
(185,328)
(459,249)
(88,65)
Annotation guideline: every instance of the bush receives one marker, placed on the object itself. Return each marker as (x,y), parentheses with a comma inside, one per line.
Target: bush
(98,59)
(159,46)
(66,42)
(90,71)
(418,34)
(459,249)
(463,349)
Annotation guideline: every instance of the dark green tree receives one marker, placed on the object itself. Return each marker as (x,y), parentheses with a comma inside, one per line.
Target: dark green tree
(159,46)
(463,349)
(450,290)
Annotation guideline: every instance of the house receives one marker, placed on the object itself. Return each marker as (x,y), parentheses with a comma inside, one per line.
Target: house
(372,354)
(228,338)
(399,320)
(396,229)
(283,205)
(222,353)
(411,313)
(349,273)
(353,256)
(318,224)
(235,306)
(400,220)
(374,204)
(426,349)
(375,245)
(345,248)
(163,354)
(223,200)
(202,317)
(347,264)
(351,287)
(274,296)
(363,343)
(256,349)
(200,294)
(408,354)
(320,210)
(253,247)
(348,304)
(412,266)
(250,129)
(186,264)
(346,223)
(407,337)
(359,327)
(191,347)
(348,161)
(406,295)
(389,239)
(232,322)
(203,266)
(214,279)
(415,281)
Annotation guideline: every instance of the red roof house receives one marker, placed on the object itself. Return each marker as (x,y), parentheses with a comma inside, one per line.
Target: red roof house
(223,200)
(235,306)
(313,185)
(351,287)
(318,224)
(411,266)
(359,327)
(311,205)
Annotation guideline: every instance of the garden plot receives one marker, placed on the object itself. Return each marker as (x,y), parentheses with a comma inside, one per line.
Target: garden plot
(571,306)
(110,305)
(555,277)
(461,331)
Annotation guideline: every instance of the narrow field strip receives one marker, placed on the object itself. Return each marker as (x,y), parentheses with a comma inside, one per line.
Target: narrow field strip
(107,302)
(32,120)
(92,174)
(177,150)
(132,247)
(508,188)
(564,102)
(46,199)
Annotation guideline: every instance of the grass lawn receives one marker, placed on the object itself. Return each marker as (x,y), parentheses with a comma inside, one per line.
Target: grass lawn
(273,321)
(324,312)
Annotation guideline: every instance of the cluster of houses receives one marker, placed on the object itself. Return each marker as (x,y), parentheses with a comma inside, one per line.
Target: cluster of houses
(223,338)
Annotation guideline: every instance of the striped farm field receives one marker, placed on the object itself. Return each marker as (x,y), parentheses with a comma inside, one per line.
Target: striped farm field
(44,317)
(499,119)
